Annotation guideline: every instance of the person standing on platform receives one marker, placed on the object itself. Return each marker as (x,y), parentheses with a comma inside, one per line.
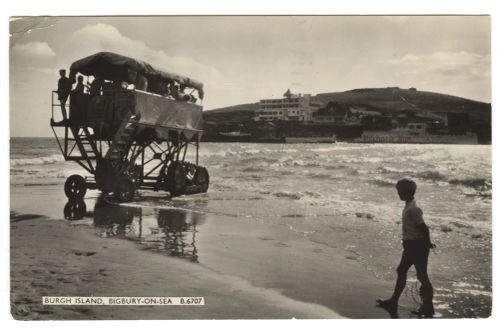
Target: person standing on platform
(63,90)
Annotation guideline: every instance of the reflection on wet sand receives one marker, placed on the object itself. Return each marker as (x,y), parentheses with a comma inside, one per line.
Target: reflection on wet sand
(169,230)
(177,226)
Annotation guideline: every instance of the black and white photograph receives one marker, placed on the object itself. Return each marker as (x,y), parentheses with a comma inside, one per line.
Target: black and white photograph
(250,167)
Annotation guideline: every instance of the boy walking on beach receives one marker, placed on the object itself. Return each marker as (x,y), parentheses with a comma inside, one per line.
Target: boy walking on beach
(416,247)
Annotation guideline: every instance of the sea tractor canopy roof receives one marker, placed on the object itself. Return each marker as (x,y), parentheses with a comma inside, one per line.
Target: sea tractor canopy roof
(115,67)
(156,112)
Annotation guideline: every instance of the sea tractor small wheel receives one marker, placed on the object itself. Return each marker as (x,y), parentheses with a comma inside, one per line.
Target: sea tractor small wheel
(75,187)
(124,190)
(201,179)
(176,179)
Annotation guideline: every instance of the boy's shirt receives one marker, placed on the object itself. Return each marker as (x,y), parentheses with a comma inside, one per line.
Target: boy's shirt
(412,217)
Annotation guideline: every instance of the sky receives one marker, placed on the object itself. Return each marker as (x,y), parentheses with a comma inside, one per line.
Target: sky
(241,59)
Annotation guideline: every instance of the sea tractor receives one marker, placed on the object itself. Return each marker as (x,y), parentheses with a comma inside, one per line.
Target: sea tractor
(132,130)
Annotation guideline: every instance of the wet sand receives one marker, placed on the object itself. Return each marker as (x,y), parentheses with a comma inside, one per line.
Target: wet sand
(244,268)
(71,260)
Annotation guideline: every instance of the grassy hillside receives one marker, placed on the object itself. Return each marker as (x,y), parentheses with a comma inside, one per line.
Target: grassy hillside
(383,100)
(235,108)
(237,113)
(388,100)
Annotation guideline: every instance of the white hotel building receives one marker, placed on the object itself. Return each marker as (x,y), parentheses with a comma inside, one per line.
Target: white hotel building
(292,108)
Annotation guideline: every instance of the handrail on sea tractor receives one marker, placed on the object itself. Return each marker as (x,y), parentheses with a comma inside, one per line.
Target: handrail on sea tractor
(115,134)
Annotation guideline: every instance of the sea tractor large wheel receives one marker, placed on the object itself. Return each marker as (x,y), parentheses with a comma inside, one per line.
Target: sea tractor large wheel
(176,179)
(124,190)
(201,179)
(75,187)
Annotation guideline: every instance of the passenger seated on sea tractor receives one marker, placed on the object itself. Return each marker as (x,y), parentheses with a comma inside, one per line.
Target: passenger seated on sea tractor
(141,83)
(174,91)
(177,92)
(96,86)
(183,96)
(157,86)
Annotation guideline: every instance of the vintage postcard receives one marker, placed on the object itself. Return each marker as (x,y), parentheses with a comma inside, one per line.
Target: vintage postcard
(250,167)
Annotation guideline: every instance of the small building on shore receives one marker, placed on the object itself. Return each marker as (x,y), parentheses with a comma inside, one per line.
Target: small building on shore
(336,113)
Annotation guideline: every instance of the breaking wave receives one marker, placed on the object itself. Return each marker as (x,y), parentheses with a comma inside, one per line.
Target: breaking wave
(319,175)
(431,175)
(383,182)
(287,194)
(389,169)
(37,160)
(476,183)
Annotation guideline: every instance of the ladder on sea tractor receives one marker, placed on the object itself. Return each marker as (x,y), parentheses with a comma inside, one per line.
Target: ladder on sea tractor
(122,140)
(76,137)
(116,158)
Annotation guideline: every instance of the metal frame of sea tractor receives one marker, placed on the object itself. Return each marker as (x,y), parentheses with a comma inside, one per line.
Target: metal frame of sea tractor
(115,155)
